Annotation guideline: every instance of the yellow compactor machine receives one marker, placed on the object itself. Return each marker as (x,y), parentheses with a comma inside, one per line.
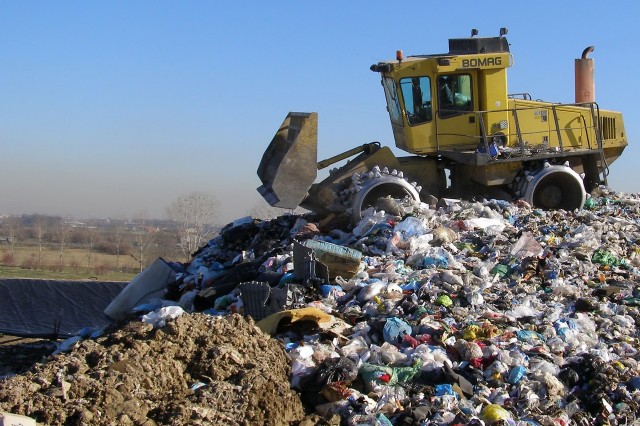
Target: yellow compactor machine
(468,136)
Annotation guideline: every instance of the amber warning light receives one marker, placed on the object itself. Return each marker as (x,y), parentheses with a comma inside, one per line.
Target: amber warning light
(399,55)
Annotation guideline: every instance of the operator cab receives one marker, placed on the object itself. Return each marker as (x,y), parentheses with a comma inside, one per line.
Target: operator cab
(434,101)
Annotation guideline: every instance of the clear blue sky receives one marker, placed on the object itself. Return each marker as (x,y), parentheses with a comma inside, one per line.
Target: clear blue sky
(112,108)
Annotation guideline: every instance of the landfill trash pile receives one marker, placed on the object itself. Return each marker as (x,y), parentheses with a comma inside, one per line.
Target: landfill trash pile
(460,313)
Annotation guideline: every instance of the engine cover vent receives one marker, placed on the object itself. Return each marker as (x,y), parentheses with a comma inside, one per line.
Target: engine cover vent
(474,45)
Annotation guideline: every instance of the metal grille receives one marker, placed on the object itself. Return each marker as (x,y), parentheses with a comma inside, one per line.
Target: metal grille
(608,126)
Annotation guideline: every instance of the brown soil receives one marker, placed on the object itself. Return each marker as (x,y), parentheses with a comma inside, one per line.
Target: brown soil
(138,375)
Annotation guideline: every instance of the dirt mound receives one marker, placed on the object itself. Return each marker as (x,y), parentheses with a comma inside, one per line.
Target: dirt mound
(198,369)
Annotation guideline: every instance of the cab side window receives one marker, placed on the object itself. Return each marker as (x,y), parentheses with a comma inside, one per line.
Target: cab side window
(416,94)
(454,95)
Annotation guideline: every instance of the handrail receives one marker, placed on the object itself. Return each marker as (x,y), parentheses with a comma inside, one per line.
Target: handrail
(555,119)
(525,96)
(584,121)
(520,133)
(604,167)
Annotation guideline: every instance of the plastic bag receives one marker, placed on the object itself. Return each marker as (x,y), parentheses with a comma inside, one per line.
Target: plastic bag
(394,330)
(411,227)
(333,370)
(493,413)
(375,376)
(159,318)
(526,246)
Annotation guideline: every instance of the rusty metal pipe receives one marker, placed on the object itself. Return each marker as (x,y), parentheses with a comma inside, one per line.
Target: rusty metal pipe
(584,78)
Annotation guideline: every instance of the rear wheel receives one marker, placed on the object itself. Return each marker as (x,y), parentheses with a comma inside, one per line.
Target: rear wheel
(555,187)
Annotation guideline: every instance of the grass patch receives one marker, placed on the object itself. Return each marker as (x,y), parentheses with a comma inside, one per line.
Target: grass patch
(18,272)
(77,265)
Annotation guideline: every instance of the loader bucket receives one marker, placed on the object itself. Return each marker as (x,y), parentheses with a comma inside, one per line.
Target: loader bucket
(289,166)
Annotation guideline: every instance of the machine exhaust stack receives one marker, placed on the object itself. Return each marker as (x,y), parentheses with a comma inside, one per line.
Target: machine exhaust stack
(585,86)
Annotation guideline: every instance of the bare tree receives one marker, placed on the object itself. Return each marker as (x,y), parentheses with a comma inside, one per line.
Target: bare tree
(165,244)
(143,240)
(118,241)
(40,229)
(13,227)
(89,246)
(63,232)
(194,216)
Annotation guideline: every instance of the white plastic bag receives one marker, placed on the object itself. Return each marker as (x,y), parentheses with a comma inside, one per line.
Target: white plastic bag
(159,318)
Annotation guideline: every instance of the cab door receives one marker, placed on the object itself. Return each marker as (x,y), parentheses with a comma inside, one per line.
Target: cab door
(457,124)
(417,107)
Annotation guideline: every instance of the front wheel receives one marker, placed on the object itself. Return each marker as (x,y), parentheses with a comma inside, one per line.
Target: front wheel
(378,184)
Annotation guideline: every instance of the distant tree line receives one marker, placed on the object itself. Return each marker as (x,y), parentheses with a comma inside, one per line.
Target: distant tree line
(123,239)
(137,241)
(141,239)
